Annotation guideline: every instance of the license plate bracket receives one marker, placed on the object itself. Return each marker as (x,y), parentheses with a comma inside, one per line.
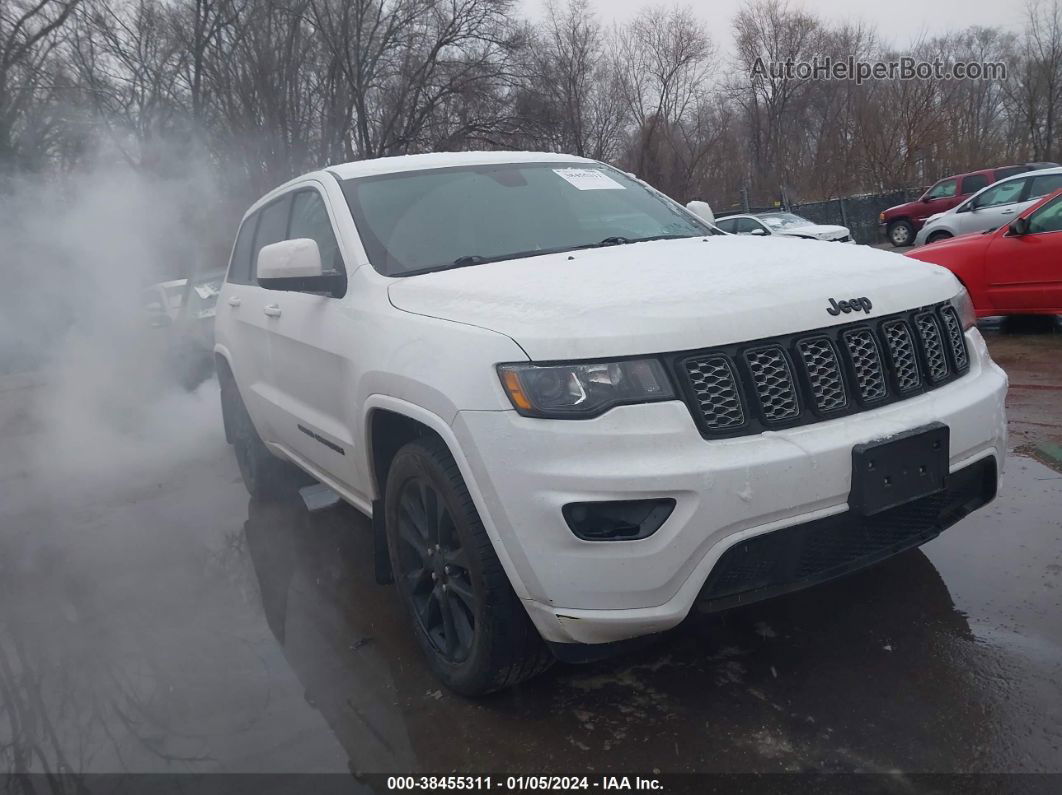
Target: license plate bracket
(890,472)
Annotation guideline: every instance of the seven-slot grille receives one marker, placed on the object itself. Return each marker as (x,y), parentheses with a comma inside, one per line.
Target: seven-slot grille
(814,375)
(824,373)
(774,383)
(713,377)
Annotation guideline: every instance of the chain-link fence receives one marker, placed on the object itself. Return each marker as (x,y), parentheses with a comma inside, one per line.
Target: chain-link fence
(858,213)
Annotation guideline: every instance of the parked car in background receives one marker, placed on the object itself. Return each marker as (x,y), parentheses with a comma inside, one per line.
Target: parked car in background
(162,301)
(1014,270)
(991,207)
(192,335)
(902,222)
(784,224)
(574,410)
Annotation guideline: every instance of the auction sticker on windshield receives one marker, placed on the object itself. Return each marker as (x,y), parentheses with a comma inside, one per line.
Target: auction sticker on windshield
(588,179)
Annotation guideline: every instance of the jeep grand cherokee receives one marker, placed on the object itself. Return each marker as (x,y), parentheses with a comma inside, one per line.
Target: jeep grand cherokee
(574,410)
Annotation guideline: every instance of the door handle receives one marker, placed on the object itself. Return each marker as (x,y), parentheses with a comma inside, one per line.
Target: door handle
(234,302)
(1006,212)
(272,310)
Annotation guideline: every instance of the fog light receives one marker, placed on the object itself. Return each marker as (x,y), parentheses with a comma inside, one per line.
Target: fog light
(617,520)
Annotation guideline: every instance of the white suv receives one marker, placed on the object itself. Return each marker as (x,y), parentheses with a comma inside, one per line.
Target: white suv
(574,410)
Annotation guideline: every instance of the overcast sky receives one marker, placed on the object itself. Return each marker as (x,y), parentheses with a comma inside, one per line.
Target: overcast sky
(901,22)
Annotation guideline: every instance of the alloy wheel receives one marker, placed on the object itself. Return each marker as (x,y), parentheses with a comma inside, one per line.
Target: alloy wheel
(434,571)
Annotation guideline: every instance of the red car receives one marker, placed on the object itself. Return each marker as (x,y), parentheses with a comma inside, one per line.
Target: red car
(904,220)
(1013,270)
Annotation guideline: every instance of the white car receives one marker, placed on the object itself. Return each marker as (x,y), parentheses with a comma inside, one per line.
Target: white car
(162,301)
(574,411)
(784,224)
(991,207)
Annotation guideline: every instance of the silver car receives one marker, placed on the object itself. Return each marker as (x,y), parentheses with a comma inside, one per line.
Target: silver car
(991,207)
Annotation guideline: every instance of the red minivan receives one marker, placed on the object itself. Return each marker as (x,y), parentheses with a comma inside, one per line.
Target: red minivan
(900,223)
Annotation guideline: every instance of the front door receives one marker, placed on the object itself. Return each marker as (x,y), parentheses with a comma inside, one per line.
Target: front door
(311,353)
(1024,272)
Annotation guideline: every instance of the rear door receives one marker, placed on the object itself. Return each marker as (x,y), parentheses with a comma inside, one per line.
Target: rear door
(972,183)
(238,328)
(1024,272)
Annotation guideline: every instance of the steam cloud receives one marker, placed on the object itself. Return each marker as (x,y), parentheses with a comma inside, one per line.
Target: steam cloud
(77,252)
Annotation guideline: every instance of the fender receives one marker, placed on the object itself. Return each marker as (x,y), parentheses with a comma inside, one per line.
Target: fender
(445,432)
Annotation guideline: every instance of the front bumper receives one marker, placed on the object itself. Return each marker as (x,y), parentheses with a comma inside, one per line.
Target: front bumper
(726,491)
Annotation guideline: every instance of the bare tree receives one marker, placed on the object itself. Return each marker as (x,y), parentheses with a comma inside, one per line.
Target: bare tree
(30,31)
(663,59)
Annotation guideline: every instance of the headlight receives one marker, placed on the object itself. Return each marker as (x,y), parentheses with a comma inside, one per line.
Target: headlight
(578,391)
(965,309)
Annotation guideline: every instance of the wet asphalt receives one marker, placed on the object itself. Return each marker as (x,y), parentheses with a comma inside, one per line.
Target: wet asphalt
(154,619)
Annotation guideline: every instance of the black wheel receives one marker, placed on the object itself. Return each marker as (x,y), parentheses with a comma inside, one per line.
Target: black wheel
(264,475)
(900,233)
(469,622)
(933,238)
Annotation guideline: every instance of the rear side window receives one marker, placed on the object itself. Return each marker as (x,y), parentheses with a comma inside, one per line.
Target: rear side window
(747,226)
(272,228)
(309,218)
(1044,184)
(240,265)
(974,183)
(727,224)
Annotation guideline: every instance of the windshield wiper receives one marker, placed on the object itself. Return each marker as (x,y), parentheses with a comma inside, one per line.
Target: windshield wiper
(477,259)
(617,240)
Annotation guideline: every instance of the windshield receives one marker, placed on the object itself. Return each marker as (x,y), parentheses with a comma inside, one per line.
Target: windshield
(783,220)
(419,221)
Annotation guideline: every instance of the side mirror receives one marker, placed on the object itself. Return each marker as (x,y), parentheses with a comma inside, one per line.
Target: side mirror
(927,198)
(702,210)
(758,231)
(1018,227)
(965,208)
(295,265)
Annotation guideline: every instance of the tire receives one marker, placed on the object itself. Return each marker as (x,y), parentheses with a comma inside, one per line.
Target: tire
(474,631)
(933,238)
(265,476)
(900,233)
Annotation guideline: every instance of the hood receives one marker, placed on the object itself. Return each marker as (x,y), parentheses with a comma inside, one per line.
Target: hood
(670,295)
(906,208)
(962,243)
(821,231)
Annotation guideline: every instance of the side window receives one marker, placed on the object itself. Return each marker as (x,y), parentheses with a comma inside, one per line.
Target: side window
(309,218)
(1048,218)
(240,264)
(727,225)
(974,183)
(272,228)
(1044,184)
(1010,171)
(746,225)
(944,189)
(1005,193)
